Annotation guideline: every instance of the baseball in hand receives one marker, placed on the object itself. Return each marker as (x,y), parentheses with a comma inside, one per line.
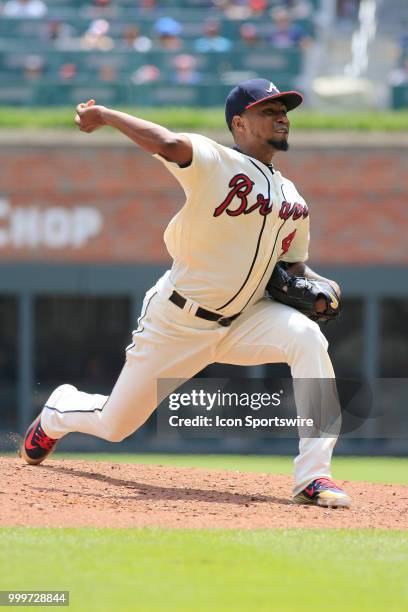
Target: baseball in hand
(89,116)
(321,305)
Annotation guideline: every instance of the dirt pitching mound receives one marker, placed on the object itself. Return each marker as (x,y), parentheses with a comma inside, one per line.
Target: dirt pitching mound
(68,493)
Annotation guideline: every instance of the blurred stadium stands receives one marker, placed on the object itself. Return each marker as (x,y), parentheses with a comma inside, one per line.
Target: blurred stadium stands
(189,52)
(57,58)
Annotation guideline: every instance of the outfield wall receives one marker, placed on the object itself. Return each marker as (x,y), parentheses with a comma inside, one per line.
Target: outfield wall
(79,198)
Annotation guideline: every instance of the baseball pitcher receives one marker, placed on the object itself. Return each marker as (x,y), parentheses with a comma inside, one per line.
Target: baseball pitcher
(238,292)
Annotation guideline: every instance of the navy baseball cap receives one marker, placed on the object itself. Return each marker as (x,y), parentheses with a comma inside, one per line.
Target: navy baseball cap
(252,92)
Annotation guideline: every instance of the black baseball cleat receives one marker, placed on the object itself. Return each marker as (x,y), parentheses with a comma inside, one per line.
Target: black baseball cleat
(37,445)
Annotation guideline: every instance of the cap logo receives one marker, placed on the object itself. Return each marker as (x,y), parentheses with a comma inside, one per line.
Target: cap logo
(271,88)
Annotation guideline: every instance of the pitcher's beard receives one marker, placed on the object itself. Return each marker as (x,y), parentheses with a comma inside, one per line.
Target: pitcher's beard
(279,145)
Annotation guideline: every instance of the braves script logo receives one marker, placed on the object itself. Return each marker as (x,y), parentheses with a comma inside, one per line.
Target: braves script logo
(295,210)
(241,186)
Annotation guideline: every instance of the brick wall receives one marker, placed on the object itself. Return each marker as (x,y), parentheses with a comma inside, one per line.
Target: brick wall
(358,200)
(110,202)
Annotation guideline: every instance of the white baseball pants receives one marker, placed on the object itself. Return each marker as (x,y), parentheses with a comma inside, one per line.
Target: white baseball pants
(171,343)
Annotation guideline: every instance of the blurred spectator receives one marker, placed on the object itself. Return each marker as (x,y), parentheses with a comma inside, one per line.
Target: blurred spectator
(249,35)
(299,9)
(147,5)
(102,5)
(107,74)
(212,40)
(68,71)
(284,34)
(57,29)
(347,11)
(62,35)
(235,9)
(33,67)
(148,73)
(168,32)
(133,39)
(96,37)
(99,9)
(186,70)
(258,7)
(399,76)
(24,9)
(243,9)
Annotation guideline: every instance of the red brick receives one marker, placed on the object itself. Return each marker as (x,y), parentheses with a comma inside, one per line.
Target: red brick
(357,200)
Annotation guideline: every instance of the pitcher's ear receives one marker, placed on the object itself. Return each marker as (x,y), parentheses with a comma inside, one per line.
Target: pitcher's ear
(237,123)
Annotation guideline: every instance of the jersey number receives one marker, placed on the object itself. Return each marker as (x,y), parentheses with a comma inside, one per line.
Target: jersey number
(286,242)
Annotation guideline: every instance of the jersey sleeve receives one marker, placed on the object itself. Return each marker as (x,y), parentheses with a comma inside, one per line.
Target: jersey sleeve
(299,246)
(205,157)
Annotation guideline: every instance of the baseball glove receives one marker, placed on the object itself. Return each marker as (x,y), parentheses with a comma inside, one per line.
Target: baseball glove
(302,293)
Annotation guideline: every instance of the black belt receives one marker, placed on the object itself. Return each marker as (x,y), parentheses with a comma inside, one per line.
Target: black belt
(202,313)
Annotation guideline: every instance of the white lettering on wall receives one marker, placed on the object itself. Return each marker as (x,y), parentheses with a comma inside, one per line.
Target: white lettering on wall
(54,227)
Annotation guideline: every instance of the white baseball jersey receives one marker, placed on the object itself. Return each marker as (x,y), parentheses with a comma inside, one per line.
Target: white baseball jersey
(240,217)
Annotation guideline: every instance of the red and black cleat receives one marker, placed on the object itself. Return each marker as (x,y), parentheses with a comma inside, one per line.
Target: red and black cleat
(323,492)
(37,445)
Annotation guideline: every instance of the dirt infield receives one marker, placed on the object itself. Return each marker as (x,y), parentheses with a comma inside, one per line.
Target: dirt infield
(68,493)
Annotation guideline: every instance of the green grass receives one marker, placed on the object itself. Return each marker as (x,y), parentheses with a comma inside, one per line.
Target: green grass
(373,469)
(183,570)
(205,119)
